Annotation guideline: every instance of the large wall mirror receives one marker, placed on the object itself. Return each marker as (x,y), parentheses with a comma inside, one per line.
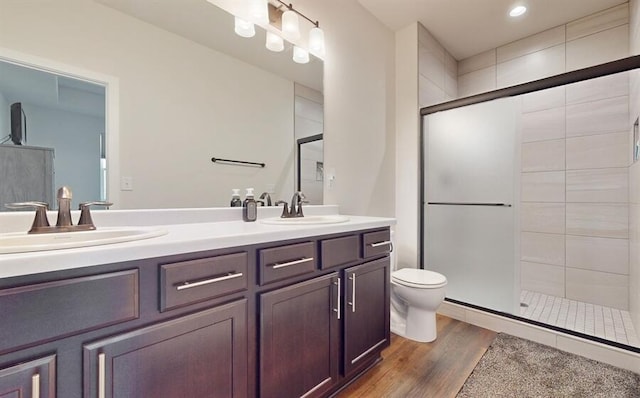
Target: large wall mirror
(140,127)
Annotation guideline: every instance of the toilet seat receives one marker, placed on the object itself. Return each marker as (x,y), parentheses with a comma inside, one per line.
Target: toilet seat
(418,278)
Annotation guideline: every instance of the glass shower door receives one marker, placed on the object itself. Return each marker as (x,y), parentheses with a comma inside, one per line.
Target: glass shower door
(470,202)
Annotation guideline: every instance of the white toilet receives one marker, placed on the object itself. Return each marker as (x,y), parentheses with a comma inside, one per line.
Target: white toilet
(416,294)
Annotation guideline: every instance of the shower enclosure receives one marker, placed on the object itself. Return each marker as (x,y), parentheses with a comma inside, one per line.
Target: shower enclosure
(527,203)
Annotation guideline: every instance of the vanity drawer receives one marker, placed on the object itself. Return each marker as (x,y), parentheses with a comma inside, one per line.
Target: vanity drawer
(283,262)
(376,243)
(46,311)
(338,251)
(193,281)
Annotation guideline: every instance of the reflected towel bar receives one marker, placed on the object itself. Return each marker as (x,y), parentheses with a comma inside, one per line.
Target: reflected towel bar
(468,204)
(239,162)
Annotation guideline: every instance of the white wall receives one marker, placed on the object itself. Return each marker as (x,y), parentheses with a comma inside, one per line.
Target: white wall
(359,141)
(179,102)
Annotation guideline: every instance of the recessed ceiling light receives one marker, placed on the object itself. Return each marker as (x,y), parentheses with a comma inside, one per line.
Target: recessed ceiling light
(517,11)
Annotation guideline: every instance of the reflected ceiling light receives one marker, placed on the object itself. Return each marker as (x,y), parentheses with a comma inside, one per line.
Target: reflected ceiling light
(300,55)
(244,28)
(517,11)
(259,11)
(274,42)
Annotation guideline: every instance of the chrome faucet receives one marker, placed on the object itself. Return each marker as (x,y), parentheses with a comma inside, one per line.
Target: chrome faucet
(64,207)
(64,223)
(295,210)
(265,199)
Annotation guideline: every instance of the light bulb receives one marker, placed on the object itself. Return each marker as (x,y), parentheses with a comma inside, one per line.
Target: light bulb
(259,11)
(274,42)
(300,55)
(517,11)
(316,41)
(244,28)
(290,26)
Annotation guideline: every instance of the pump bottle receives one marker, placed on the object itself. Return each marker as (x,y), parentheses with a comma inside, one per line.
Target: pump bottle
(249,207)
(235,198)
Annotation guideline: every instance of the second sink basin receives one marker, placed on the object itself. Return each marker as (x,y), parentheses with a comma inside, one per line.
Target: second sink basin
(21,242)
(307,220)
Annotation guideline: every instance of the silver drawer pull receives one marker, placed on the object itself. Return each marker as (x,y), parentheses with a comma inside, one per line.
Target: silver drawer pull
(386,242)
(35,386)
(290,263)
(102,375)
(189,285)
(339,294)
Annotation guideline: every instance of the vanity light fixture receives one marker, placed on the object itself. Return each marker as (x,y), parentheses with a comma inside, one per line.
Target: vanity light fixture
(517,11)
(285,25)
(259,11)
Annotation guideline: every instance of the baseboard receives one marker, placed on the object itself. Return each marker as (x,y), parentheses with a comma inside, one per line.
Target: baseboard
(562,341)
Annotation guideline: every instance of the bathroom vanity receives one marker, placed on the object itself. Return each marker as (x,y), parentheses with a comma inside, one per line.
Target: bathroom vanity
(286,311)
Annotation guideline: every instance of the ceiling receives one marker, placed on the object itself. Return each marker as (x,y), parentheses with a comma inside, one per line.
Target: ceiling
(469,27)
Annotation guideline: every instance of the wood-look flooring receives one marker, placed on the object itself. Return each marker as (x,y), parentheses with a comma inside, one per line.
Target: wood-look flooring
(438,369)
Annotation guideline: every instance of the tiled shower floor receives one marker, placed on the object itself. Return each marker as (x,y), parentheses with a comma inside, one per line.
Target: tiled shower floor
(595,320)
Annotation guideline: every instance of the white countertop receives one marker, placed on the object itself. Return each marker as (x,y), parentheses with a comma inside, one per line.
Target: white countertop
(180,238)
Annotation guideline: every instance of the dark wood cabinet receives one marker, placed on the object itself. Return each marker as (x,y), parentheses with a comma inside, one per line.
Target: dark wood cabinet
(301,317)
(366,315)
(36,379)
(299,338)
(198,355)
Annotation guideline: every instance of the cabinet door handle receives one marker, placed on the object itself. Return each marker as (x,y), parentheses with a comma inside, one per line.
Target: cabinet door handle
(352,278)
(290,263)
(35,386)
(102,384)
(338,300)
(189,285)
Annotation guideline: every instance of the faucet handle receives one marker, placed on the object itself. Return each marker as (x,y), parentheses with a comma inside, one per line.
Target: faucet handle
(285,209)
(299,212)
(85,213)
(40,220)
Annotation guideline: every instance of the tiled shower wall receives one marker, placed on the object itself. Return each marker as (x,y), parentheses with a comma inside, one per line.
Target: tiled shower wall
(575,191)
(592,40)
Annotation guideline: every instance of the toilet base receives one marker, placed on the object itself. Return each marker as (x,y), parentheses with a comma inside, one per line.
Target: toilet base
(421,325)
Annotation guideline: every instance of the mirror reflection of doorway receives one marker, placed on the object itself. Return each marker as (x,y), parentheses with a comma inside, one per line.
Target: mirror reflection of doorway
(310,168)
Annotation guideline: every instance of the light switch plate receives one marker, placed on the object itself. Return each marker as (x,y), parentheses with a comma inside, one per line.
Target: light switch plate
(126,184)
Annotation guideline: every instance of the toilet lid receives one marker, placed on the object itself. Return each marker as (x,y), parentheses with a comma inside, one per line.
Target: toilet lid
(419,277)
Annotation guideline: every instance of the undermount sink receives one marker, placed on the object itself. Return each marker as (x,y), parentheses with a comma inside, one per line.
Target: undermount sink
(21,242)
(307,220)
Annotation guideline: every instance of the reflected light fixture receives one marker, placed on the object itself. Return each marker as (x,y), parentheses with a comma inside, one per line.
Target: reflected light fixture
(517,11)
(316,41)
(244,28)
(300,55)
(274,42)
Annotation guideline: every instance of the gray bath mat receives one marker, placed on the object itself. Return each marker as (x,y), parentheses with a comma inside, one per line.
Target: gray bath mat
(514,367)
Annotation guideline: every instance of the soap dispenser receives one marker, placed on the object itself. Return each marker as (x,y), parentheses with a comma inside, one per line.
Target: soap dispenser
(249,207)
(235,198)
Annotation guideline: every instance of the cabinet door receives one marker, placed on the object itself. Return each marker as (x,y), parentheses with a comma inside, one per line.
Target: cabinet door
(198,355)
(366,314)
(36,379)
(299,338)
